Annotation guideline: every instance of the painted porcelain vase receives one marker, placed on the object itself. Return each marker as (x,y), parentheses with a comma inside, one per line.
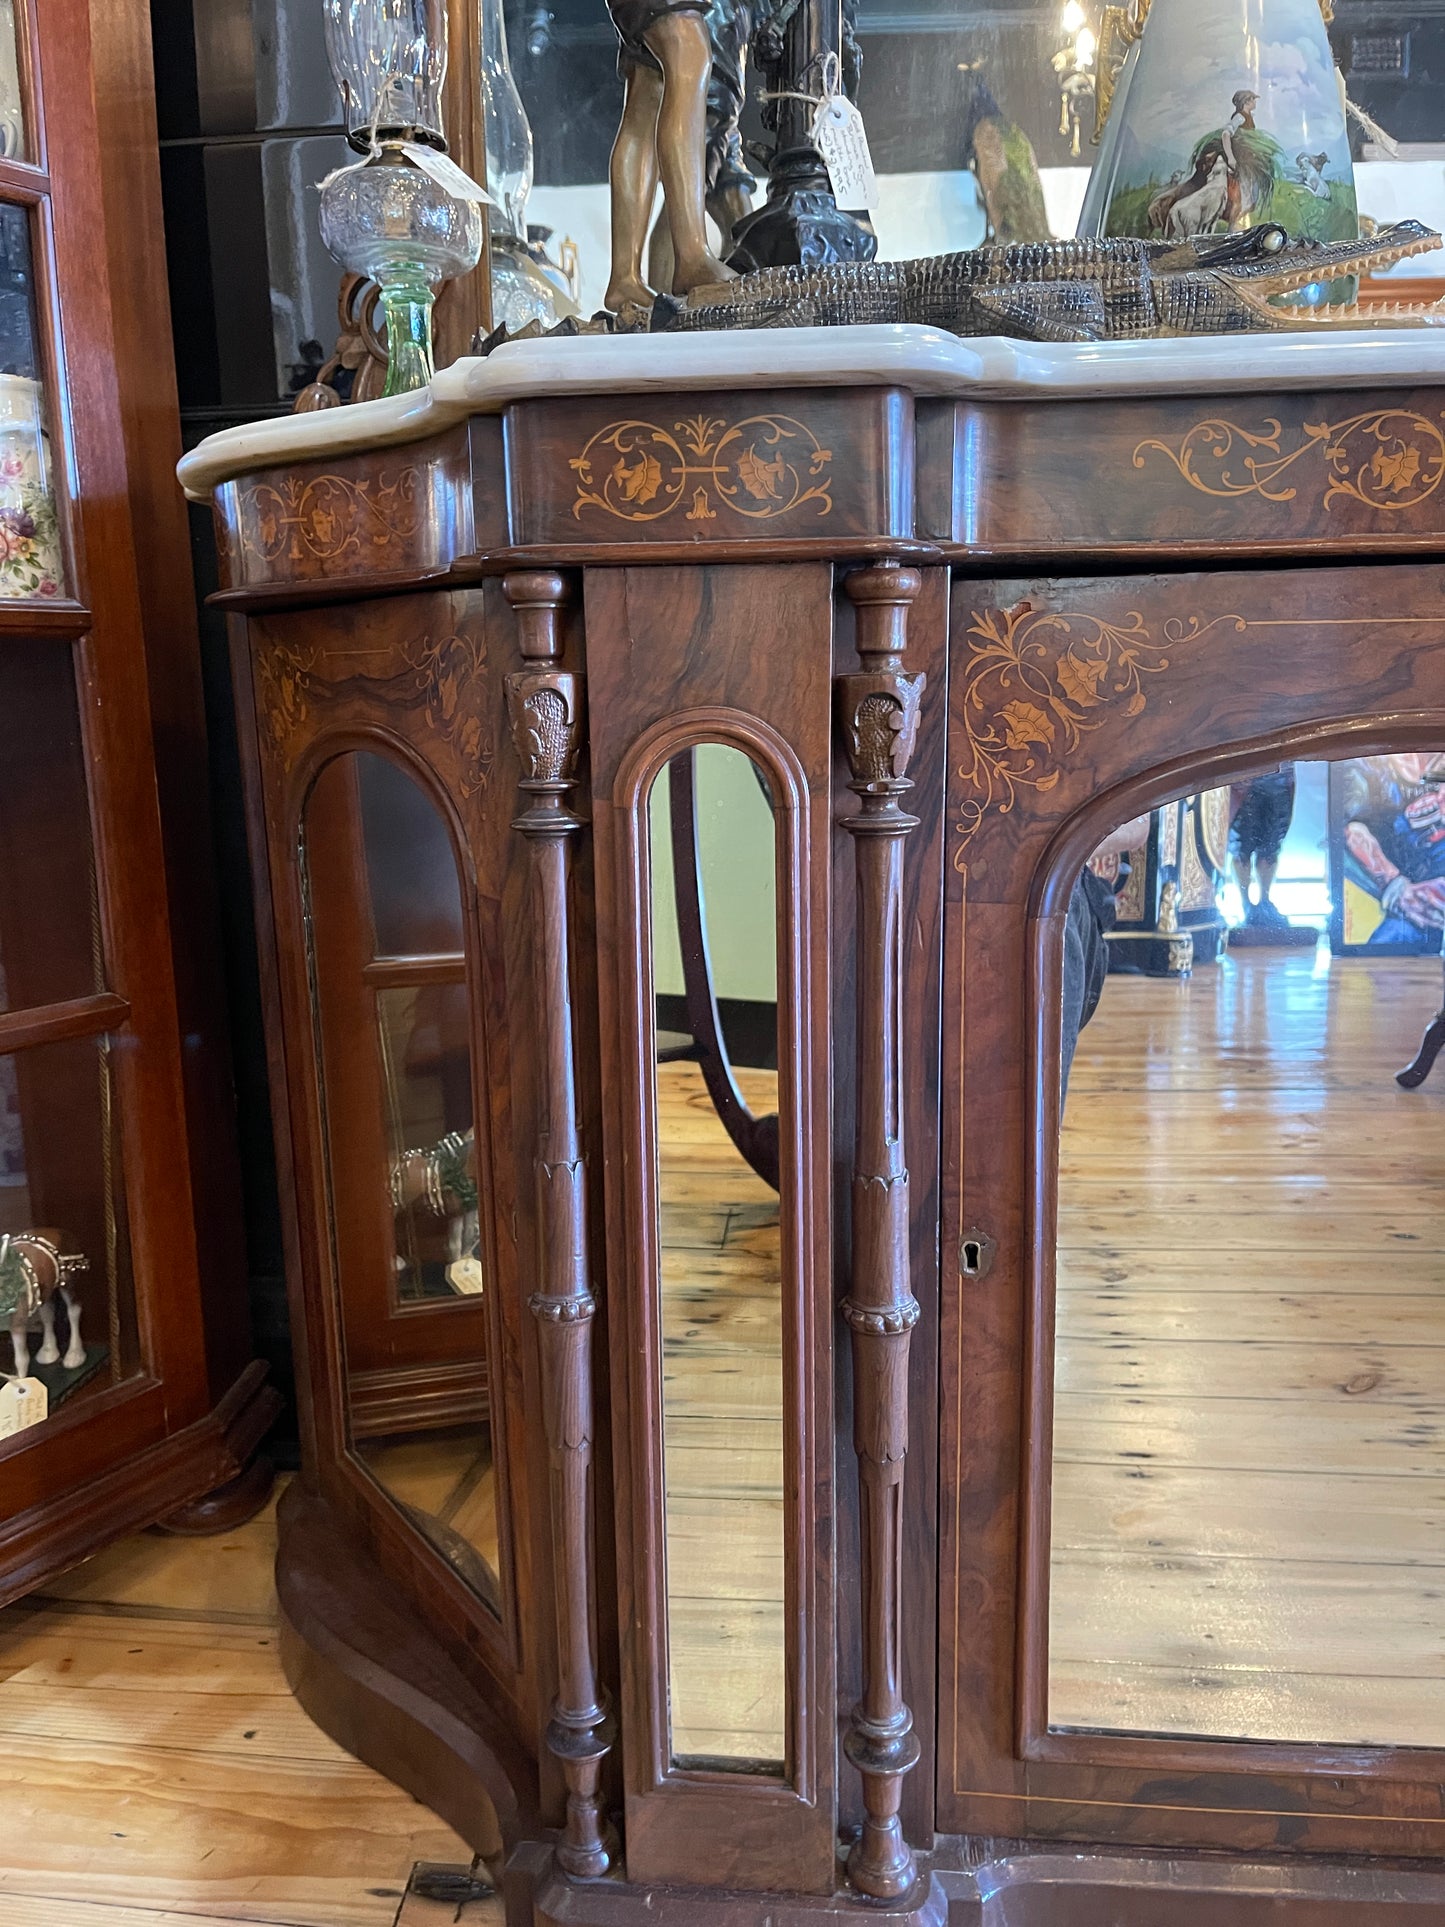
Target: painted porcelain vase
(1226,114)
(30,556)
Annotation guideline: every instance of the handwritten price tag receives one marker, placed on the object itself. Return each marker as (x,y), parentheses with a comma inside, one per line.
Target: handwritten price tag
(842,140)
(23,1402)
(445,172)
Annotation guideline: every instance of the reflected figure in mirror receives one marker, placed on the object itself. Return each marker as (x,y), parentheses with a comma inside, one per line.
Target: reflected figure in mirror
(665,61)
(1086,951)
(34,1267)
(1260,816)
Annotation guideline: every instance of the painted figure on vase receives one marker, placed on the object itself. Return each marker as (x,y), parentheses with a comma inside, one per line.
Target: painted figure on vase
(1169,170)
(665,60)
(1234,170)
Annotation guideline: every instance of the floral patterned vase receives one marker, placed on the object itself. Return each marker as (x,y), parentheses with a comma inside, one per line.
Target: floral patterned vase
(1226,114)
(30,557)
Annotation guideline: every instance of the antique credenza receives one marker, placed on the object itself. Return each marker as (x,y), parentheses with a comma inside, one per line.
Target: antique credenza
(966,605)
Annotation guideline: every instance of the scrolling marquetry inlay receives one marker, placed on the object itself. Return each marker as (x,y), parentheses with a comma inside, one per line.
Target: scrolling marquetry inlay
(442,676)
(762,468)
(1036,682)
(329,518)
(1388,459)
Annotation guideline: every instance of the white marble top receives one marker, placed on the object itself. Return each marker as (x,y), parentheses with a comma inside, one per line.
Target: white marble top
(923,360)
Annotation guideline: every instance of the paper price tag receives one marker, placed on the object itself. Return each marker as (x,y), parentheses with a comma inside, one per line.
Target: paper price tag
(466,1276)
(445,172)
(23,1402)
(842,140)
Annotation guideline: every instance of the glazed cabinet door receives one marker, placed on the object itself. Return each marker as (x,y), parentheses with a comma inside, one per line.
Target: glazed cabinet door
(98,1284)
(387,791)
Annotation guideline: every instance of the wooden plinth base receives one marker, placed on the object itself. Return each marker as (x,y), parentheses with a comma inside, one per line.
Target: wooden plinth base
(1041,1887)
(371,1675)
(1072,1887)
(541,1895)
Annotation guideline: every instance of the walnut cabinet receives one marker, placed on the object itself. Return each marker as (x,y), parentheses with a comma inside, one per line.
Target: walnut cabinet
(676,1518)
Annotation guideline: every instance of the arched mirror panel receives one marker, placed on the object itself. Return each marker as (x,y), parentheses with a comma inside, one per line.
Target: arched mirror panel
(1247,1512)
(394,1020)
(720,1259)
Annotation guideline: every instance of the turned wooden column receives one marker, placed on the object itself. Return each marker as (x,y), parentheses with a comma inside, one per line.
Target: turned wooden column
(545,704)
(878,714)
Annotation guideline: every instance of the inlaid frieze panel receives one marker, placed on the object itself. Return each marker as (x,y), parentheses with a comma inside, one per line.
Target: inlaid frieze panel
(1349,469)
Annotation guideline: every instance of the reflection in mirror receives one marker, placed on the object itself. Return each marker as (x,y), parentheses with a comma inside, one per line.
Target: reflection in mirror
(67,1299)
(714,946)
(1248,1491)
(389,977)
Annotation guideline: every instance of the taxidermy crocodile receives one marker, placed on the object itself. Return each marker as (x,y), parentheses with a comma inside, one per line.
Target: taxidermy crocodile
(1121,290)
(1078,290)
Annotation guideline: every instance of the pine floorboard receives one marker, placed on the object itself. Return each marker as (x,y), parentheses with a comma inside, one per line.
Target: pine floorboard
(1249,1465)
(158,1773)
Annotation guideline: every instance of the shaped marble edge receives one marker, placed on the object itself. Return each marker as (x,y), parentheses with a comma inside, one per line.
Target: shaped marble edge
(925,361)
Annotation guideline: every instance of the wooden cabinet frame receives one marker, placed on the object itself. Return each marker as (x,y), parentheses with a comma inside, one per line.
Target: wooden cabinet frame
(1318,670)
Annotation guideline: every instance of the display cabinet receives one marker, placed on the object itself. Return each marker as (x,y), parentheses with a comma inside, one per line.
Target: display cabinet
(130,1396)
(911,1480)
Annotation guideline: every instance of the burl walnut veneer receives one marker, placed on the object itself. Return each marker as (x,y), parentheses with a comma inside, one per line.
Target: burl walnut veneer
(966,606)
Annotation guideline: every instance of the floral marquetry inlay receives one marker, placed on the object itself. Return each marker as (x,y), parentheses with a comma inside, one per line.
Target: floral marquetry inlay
(329,518)
(761,468)
(442,677)
(1036,682)
(1386,459)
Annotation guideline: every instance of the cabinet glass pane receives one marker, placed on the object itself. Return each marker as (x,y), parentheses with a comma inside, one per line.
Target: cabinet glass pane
(14,145)
(416,907)
(48,948)
(31,563)
(394,1020)
(720,1251)
(66,1293)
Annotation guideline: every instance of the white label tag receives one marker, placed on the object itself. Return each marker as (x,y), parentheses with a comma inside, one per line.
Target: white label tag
(23,1402)
(445,172)
(841,138)
(465,1275)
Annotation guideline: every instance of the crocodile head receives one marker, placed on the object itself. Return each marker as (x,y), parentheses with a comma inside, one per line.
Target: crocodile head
(1259,269)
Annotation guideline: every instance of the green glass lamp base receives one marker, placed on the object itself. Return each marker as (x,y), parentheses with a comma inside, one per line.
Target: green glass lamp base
(407,307)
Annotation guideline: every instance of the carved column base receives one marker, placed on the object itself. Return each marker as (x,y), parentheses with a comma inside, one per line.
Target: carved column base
(880,1862)
(800,224)
(588,1845)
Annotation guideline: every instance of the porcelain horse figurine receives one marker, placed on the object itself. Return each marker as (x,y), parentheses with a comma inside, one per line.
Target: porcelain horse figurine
(33,1270)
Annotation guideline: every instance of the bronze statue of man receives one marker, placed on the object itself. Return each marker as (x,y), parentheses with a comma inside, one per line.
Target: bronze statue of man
(665,58)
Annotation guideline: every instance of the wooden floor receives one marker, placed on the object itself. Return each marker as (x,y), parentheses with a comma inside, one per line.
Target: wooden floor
(157,1772)
(1249,1517)
(723,1427)
(1250,1475)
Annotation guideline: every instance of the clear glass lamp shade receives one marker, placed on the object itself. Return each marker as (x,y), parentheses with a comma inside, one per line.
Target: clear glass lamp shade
(391,221)
(508,132)
(389,58)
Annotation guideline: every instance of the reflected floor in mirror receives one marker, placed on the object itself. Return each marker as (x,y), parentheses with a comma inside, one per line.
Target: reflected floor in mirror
(722,1407)
(1249,1471)
(447,1481)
